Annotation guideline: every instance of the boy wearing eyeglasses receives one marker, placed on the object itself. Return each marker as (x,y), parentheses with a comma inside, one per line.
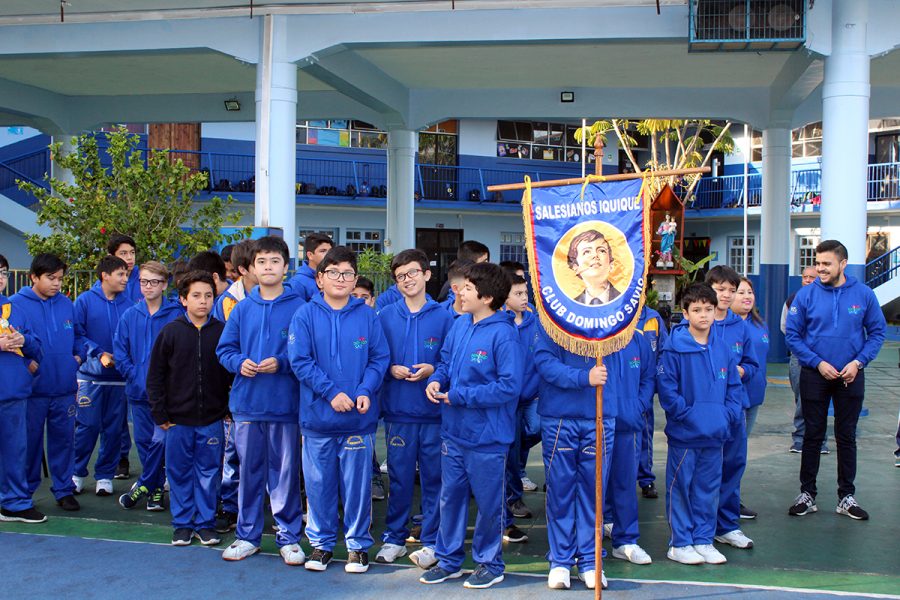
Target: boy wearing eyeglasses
(415,329)
(264,406)
(339,354)
(134,339)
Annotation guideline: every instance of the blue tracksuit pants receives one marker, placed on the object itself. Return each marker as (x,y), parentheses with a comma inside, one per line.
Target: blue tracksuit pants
(516,460)
(484,473)
(151,446)
(569,448)
(231,472)
(57,414)
(194,464)
(14,493)
(99,413)
(334,468)
(620,498)
(126,438)
(734,461)
(270,459)
(409,444)
(645,474)
(693,476)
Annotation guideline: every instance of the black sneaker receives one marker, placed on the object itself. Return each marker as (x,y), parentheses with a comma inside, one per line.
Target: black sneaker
(357,561)
(649,491)
(803,504)
(155,501)
(848,506)
(29,515)
(377,487)
(226,521)
(415,534)
(208,537)
(514,535)
(748,513)
(520,511)
(182,537)
(68,503)
(319,559)
(130,500)
(123,470)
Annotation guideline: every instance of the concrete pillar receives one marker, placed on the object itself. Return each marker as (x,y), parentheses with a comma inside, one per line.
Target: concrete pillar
(67,147)
(775,235)
(845,127)
(403,146)
(276,125)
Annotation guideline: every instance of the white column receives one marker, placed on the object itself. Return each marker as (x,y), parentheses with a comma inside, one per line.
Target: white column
(845,125)
(276,142)
(66,147)
(403,145)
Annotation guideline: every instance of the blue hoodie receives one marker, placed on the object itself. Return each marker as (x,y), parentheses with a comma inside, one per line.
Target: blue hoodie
(528,335)
(387,297)
(735,332)
(448,306)
(17,380)
(96,319)
(699,388)
(335,351)
(304,282)
(258,329)
(759,342)
(835,324)
(481,369)
(564,389)
(413,338)
(651,324)
(54,318)
(133,287)
(228,300)
(631,382)
(133,342)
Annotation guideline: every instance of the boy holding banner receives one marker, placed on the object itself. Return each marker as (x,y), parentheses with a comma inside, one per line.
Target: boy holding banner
(478,381)
(700,389)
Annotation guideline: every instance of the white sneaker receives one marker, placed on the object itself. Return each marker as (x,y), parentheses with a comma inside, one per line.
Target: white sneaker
(239,550)
(685,555)
(607,530)
(390,552)
(633,554)
(79,483)
(530,486)
(735,538)
(710,555)
(292,554)
(559,578)
(104,487)
(424,558)
(590,579)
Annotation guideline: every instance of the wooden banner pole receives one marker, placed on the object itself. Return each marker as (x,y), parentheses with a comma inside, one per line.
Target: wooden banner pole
(598,454)
(620,177)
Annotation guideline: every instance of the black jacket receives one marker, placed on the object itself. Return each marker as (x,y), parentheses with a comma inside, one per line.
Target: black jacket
(186,385)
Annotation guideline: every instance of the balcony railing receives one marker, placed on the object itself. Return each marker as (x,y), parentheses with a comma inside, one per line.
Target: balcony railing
(883,269)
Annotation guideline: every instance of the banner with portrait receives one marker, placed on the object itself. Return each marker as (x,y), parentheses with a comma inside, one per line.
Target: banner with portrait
(588,248)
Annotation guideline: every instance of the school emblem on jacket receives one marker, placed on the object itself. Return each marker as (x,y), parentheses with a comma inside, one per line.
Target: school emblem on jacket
(635,362)
(360,342)
(67,324)
(738,348)
(765,338)
(854,309)
(431,343)
(479,356)
(723,373)
(213,441)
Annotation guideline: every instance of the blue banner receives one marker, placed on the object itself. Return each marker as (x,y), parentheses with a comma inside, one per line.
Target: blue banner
(587,250)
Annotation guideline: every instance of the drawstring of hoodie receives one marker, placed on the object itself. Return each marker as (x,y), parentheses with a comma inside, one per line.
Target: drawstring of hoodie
(264,327)
(335,336)
(835,297)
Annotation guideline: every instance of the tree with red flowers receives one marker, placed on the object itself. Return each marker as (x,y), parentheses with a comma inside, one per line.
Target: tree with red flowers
(151,198)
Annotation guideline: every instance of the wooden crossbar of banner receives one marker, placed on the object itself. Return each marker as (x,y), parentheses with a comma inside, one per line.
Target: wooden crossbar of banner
(505,187)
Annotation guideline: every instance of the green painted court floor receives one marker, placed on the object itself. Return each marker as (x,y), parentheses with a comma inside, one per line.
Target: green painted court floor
(822,551)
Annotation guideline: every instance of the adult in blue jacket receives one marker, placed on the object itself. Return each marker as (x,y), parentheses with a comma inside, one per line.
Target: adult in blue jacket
(137,332)
(651,324)
(631,384)
(835,327)
(19,347)
(52,401)
(101,388)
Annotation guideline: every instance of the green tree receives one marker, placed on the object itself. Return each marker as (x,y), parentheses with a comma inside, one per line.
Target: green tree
(150,199)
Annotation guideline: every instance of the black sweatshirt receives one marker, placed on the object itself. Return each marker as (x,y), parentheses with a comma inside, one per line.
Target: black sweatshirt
(186,385)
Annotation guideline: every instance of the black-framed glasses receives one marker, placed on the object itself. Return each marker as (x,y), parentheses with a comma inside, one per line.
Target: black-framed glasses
(4,273)
(411,274)
(151,282)
(334,275)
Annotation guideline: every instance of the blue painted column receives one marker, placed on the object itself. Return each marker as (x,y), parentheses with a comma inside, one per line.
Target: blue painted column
(276,133)
(845,130)
(775,234)
(403,145)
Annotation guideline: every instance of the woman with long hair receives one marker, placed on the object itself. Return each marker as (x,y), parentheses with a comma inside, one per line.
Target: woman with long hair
(744,306)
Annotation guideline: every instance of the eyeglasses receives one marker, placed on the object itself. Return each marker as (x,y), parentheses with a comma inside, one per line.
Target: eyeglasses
(4,273)
(334,275)
(152,282)
(411,274)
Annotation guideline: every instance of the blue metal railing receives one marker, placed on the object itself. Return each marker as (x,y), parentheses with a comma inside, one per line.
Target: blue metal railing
(30,168)
(728,191)
(883,269)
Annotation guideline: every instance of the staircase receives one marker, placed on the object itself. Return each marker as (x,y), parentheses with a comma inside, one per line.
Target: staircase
(882,276)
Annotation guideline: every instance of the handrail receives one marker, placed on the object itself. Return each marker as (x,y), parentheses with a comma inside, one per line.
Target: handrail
(883,268)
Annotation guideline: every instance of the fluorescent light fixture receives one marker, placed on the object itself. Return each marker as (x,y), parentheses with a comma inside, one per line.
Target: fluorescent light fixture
(232,105)
(567,96)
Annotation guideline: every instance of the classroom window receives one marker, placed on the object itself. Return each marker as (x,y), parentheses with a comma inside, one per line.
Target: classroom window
(806,250)
(512,247)
(360,239)
(736,254)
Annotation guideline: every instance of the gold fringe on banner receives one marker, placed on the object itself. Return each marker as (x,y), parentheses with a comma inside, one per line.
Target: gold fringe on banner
(576,345)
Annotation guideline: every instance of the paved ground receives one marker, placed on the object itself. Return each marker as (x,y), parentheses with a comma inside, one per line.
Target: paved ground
(819,552)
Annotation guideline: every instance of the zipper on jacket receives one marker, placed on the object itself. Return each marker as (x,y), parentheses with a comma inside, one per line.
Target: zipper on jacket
(200,371)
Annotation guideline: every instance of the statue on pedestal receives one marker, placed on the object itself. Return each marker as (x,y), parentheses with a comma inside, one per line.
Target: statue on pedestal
(666,231)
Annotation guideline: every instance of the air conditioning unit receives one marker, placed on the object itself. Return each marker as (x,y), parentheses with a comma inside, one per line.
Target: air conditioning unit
(747,24)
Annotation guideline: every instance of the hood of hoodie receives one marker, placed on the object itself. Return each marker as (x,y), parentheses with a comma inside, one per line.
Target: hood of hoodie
(336,318)
(53,321)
